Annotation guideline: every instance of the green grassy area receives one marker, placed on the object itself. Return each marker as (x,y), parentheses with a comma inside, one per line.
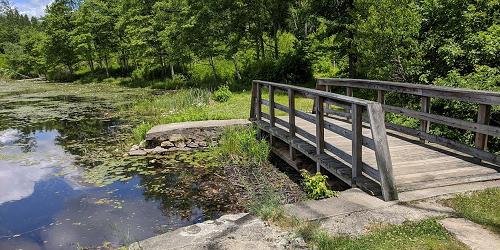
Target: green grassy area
(426,234)
(480,207)
(197,105)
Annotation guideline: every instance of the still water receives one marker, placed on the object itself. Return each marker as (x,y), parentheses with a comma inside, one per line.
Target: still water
(46,203)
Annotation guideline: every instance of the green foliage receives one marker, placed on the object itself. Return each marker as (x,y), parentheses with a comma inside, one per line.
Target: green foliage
(480,207)
(240,144)
(316,186)
(268,207)
(139,132)
(222,94)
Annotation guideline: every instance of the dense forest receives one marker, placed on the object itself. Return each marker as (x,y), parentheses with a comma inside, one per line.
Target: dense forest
(213,42)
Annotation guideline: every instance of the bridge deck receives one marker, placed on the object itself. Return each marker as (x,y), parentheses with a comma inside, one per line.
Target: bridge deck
(416,165)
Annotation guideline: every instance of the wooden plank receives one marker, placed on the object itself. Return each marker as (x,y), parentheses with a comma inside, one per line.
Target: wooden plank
(253,101)
(258,101)
(483,117)
(425,103)
(483,155)
(320,129)
(452,122)
(467,95)
(271,106)
(381,96)
(357,142)
(382,153)
(313,93)
(447,182)
(291,120)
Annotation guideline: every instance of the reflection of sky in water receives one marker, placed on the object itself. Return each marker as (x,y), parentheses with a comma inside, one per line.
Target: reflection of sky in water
(41,210)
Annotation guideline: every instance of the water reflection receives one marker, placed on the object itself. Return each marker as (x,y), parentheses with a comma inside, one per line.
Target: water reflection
(46,201)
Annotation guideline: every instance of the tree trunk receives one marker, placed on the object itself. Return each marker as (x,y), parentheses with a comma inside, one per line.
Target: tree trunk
(262,50)
(236,70)
(172,71)
(213,67)
(276,45)
(106,63)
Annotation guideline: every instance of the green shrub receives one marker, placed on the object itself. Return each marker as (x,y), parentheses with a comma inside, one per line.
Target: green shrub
(177,82)
(315,186)
(222,94)
(139,132)
(240,144)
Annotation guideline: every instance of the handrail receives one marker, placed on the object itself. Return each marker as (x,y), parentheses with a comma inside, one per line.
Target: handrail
(467,95)
(481,127)
(378,143)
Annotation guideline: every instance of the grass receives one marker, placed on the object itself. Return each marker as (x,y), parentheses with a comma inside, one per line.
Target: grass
(240,144)
(426,234)
(196,105)
(480,207)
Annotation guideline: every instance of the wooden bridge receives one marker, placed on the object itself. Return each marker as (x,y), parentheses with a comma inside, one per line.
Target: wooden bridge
(347,136)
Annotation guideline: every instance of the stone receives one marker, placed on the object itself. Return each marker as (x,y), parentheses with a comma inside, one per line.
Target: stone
(137,153)
(134,148)
(176,138)
(167,144)
(159,150)
(203,144)
(143,144)
(471,234)
(192,145)
(180,144)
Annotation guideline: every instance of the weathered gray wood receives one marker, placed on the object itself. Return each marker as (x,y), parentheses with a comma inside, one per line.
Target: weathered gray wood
(320,129)
(312,93)
(481,154)
(467,95)
(382,153)
(291,120)
(272,119)
(425,103)
(452,122)
(357,142)
(258,101)
(381,96)
(483,117)
(253,101)
(348,91)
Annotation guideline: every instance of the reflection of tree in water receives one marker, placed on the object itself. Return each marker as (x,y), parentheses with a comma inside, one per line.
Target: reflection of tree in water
(183,188)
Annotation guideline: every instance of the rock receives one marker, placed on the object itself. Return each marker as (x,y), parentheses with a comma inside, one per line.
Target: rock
(137,153)
(143,144)
(176,138)
(167,144)
(134,148)
(180,144)
(159,150)
(192,145)
(203,144)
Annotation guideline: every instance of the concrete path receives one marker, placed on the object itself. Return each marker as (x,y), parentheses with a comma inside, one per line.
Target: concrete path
(471,234)
(238,231)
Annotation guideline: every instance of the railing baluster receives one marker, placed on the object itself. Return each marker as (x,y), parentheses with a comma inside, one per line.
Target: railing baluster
(357,142)
(381,96)
(272,119)
(320,130)
(291,120)
(258,100)
(426,108)
(483,117)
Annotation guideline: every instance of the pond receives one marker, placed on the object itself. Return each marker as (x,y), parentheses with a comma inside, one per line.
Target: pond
(65,184)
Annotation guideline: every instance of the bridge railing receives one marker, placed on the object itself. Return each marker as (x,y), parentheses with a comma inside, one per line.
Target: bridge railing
(484,99)
(378,143)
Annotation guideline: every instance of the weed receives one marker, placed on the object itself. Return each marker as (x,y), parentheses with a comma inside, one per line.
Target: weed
(316,186)
(139,132)
(222,94)
(239,144)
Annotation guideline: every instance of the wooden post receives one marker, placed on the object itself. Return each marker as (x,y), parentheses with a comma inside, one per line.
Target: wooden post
(381,96)
(357,143)
(382,153)
(291,121)
(483,117)
(258,102)
(253,102)
(320,130)
(349,91)
(426,108)
(272,119)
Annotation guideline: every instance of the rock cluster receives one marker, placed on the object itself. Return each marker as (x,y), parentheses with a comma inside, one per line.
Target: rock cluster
(179,140)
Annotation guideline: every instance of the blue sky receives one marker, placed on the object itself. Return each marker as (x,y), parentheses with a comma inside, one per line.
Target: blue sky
(31,7)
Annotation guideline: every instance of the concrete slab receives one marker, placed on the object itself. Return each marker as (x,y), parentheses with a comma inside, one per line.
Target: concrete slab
(349,201)
(471,234)
(237,231)
(159,130)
